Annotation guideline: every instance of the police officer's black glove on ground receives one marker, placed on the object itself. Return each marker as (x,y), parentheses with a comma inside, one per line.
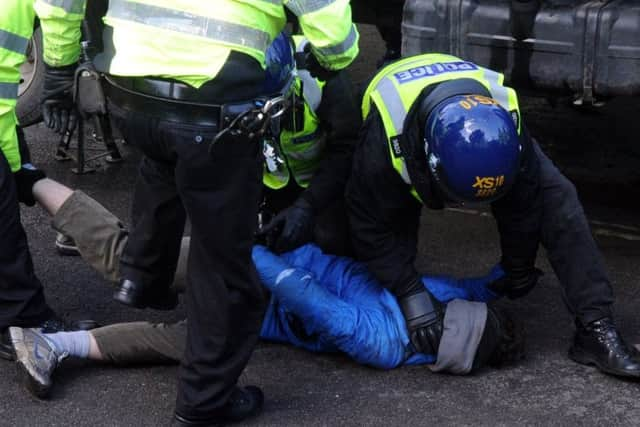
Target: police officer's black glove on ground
(424,315)
(517,282)
(57,109)
(291,228)
(25,178)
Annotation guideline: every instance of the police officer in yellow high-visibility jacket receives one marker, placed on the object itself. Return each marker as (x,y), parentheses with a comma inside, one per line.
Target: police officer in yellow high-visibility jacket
(306,168)
(21,297)
(440,130)
(172,64)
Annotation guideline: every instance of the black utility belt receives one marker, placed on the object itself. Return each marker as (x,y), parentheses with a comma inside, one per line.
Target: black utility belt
(172,101)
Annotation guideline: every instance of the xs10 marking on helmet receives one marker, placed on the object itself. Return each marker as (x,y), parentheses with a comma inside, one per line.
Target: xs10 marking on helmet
(487,186)
(474,100)
(433,70)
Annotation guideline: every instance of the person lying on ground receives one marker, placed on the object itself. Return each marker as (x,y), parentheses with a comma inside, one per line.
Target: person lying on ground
(319,302)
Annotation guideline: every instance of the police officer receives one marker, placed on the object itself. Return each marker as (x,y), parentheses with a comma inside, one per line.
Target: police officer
(440,130)
(307,166)
(22,300)
(177,71)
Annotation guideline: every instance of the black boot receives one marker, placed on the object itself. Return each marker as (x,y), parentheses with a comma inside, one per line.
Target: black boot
(244,402)
(600,344)
(136,295)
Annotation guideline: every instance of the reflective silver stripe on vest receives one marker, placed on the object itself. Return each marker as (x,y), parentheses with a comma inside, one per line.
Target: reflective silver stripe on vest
(311,90)
(395,108)
(8,90)
(311,153)
(188,23)
(302,7)
(341,48)
(69,6)
(393,103)
(13,42)
(498,92)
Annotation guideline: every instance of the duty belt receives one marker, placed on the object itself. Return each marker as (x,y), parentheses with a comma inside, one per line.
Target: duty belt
(177,102)
(172,101)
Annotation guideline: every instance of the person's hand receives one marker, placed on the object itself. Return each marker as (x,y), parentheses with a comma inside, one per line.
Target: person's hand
(291,228)
(25,178)
(58,110)
(516,283)
(317,70)
(424,316)
(306,60)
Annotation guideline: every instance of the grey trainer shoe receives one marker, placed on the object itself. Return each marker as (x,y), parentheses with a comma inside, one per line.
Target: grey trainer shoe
(36,359)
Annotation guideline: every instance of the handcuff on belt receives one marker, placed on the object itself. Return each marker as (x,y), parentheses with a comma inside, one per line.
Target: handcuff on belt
(255,122)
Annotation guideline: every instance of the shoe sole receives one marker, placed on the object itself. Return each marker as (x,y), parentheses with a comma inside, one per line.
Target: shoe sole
(583,358)
(37,389)
(27,377)
(67,250)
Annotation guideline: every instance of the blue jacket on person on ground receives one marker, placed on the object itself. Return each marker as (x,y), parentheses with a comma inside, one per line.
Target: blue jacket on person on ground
(342,308)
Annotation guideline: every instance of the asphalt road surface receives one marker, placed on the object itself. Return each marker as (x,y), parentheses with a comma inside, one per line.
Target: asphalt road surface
(595,149)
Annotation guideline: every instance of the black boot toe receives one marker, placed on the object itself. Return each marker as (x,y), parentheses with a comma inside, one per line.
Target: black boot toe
(599,344)
(136,295)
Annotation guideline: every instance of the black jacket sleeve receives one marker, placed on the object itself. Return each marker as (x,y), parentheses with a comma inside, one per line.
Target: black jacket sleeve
(383,215)
(519,215)
(340,119)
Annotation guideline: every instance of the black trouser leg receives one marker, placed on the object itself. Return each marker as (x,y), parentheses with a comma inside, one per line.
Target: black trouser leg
(571,248)
(331,231)
(158,218)
(225,301)
(22,300)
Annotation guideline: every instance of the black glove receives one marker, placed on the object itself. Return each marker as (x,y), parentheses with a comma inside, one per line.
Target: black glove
(58,110)
(306,60)
(517,281)
(25,178)
(291,228)
(424,315)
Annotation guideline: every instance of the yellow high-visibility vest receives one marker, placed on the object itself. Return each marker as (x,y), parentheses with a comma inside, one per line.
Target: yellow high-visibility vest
(16,28)
(190,40)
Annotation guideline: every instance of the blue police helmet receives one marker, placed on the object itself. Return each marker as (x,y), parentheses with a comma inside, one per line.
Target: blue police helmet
(279,63)
(473,149)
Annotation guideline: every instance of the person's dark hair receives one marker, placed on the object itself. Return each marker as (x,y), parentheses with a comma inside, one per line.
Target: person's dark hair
(502,341)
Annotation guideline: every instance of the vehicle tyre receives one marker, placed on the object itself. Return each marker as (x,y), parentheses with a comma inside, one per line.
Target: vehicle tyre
(28,109)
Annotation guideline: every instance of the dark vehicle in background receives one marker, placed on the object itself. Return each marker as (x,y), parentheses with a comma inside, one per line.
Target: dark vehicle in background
(587,49)
(32,78)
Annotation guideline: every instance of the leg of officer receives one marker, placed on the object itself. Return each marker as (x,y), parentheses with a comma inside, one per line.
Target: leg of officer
(225,300)
(157,225)
(571,248)
(158,217)
(21,295)
(578,264)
